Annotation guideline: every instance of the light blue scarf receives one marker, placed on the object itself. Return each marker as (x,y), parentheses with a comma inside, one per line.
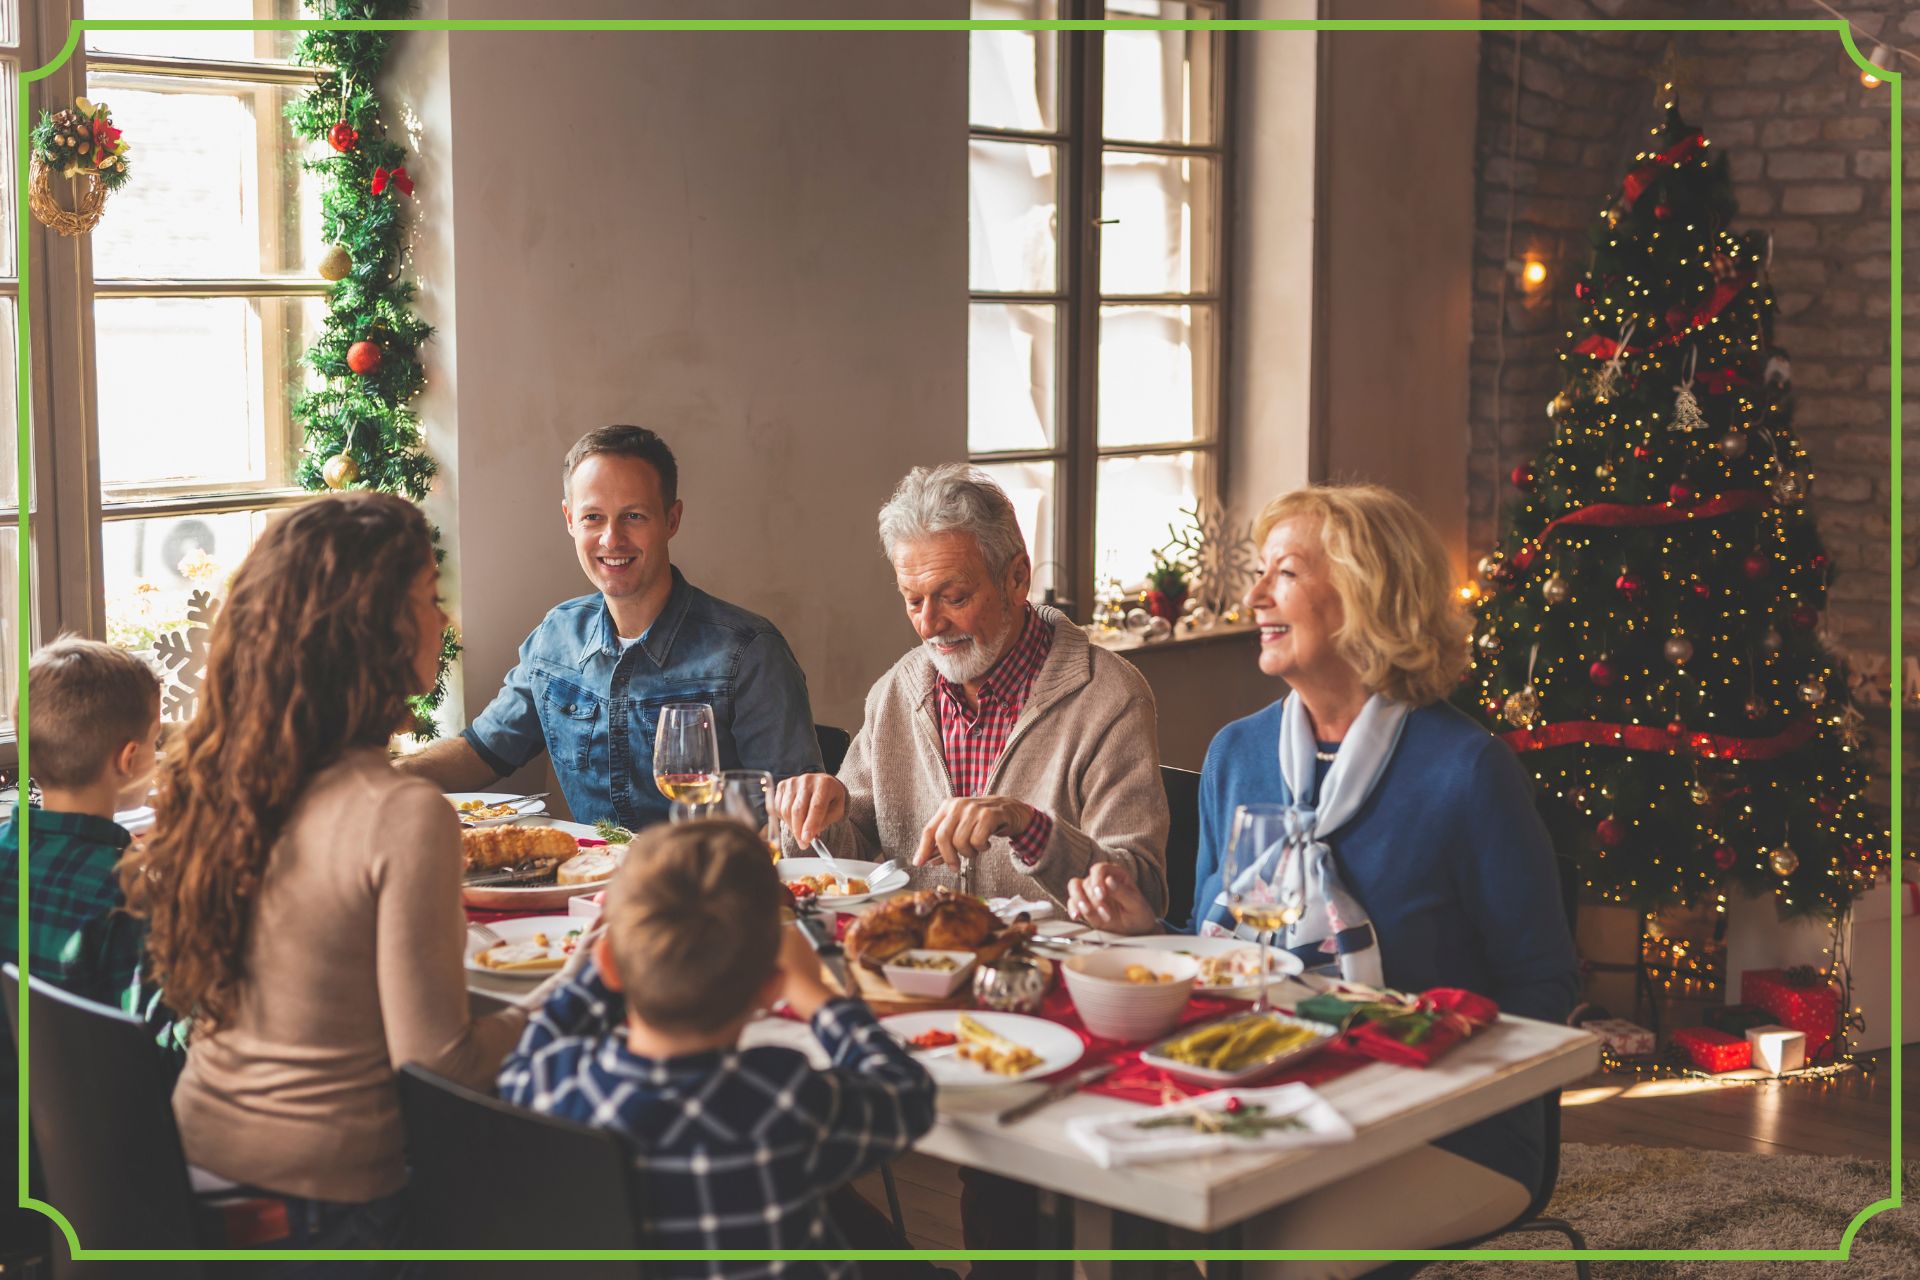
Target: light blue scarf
(1333,923)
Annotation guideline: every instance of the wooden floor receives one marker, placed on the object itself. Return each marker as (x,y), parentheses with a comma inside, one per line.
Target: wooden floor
(1851,1116)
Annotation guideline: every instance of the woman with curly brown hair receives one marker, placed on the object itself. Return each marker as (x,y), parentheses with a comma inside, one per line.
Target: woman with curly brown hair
(303,898)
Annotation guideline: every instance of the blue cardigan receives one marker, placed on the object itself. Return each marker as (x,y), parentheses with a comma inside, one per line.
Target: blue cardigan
(1456,872)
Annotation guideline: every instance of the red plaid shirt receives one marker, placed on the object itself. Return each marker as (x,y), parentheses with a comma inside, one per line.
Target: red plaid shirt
(974,740)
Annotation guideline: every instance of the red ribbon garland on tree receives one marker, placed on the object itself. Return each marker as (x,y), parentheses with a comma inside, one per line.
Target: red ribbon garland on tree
(1621,515)
(1642,176)
(1683,323)
(1647,737)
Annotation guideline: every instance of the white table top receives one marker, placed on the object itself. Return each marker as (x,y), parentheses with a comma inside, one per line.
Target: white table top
(1393,1109)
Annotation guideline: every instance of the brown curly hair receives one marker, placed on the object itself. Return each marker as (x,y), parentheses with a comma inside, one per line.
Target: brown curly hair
(312,655)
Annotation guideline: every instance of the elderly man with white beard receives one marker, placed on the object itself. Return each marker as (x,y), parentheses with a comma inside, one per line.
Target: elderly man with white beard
(1005,754)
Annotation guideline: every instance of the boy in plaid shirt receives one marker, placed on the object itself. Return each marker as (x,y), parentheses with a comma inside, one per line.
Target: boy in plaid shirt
(734,1148)
(93,723)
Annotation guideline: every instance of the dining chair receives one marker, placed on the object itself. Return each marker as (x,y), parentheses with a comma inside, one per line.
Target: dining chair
(833,745)
(101,1108)
(1183,840)
(1530,1218)
(489,1175)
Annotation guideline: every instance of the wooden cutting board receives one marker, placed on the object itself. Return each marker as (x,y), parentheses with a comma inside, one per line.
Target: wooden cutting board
(883,999)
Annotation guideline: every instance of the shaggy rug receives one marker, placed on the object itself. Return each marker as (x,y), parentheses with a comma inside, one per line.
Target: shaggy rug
(1663,1197)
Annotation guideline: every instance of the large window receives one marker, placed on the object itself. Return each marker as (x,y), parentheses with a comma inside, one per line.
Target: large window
(1097,184)
(177,325)
(10,486)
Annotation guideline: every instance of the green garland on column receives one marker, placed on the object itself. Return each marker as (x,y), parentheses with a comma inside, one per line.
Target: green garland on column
(359,430)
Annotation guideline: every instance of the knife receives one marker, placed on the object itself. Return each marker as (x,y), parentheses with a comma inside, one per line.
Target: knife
(819,931)
(1072,1084)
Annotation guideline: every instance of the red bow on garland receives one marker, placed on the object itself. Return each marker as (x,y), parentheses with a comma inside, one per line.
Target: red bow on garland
(1643,175)
(398,177)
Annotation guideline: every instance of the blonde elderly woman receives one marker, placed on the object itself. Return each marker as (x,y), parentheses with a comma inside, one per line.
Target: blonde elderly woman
(1427,866)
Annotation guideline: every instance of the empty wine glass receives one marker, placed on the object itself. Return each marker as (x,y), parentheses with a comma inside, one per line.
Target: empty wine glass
(1265,888)
(686,758)
(746,796)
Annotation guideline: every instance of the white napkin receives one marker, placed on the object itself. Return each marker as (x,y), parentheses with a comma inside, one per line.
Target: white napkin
(1115,1138)
(1008,908)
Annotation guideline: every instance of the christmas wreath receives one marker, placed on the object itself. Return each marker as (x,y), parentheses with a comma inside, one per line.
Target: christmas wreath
(79,142)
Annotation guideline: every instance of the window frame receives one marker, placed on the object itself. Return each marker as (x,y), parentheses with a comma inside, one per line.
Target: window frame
(1079,135)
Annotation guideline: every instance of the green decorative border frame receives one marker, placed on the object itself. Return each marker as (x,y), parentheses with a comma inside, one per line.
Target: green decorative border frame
(1836,27)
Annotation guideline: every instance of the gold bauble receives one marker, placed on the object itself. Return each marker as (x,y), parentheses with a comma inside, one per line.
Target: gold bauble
(1733,444)
(1556,589)
(1789,486)
(1813,693)
(1679,650)
(1490,643)
(1699,794)
(1488,566)
(1771,640)
(335,263)
(340,470)
(1602,471)
(1521,707)
(1784,861)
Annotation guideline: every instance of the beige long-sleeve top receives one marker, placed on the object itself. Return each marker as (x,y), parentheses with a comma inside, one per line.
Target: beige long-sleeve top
(354,969)
(1085,748)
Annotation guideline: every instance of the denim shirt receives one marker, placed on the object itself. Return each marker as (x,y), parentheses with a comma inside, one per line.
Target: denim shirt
(594,709)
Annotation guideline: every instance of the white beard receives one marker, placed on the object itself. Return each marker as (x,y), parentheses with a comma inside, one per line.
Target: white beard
(973,661)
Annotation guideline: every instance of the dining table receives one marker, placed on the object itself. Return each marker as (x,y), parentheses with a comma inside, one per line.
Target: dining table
(1393,1110)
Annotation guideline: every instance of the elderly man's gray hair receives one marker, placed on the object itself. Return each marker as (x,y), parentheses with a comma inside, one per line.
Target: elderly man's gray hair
(953,498)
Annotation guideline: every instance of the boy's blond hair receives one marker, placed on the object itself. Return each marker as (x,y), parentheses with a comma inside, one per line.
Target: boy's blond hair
(85,701)
(694,923)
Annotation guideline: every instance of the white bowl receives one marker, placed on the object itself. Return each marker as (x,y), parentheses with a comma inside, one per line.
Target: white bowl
(935,984)
(1115,1009)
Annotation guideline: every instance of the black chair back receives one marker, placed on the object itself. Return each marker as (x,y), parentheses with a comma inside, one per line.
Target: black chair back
(101,1106)
(490,1175)
(1183,839)
(833,745)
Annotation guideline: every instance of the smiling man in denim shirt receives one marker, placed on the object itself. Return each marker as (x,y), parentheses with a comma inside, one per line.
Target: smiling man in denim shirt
(594,674)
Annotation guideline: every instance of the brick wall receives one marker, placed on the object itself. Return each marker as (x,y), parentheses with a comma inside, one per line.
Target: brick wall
(1809,156)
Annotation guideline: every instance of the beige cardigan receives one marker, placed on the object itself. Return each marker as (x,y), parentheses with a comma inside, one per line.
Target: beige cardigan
(1085,750)
(354,968)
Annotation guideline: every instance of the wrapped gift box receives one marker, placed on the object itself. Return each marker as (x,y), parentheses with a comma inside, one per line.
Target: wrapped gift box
(1736,1019)
(1624,1038)
(1807,1005)
(1777,1049)
(1714,1051)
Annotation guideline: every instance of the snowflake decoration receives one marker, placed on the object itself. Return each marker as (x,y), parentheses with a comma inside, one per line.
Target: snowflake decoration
(183,655)
(1221,553)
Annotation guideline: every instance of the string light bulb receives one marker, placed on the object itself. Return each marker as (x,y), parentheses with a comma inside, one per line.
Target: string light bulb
(1880,58)
(1530,271)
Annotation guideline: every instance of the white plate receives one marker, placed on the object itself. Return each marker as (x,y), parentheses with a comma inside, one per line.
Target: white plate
(1057,1046)
(512,931)
(1280,963)
(534,897)
(454,798)
(845,869)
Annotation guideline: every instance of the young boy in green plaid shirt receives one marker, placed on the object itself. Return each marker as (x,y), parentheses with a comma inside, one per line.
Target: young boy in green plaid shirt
(93,723)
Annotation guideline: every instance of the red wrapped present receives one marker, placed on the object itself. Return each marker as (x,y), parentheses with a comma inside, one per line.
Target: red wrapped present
(1714,1051)
(1800,998)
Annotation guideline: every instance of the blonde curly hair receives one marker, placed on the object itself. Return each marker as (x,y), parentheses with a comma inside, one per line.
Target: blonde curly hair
(1403,630)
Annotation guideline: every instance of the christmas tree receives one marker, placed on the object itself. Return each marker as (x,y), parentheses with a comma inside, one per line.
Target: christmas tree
(1649,636)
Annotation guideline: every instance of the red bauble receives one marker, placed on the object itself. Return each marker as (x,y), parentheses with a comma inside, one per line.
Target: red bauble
(1601,672)
(1724,856)
(343,137)
(1609,832)
(1663,211)
(363,357)
(1641,452)
(1522,476)
(1629,584)
(1702,590)
(1676,728)
(1819,560)
(1804,617)
(1582,290)
(1754,566)
(1680,495)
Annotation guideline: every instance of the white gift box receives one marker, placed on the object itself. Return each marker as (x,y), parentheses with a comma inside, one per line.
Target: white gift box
(586,906)
(1778,1050)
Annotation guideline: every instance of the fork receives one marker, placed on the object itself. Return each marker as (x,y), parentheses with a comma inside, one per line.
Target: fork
(484,936)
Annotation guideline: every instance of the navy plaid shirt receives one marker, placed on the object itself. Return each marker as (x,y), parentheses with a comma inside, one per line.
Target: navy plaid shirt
(80,939)
(973,741)
(735,1149)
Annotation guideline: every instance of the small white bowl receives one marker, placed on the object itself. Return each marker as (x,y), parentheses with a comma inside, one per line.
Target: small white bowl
(934,984)
(1115,1009)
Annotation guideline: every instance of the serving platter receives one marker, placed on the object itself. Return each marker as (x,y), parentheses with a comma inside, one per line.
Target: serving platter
(535,897)
(1058,1047)
(458,798)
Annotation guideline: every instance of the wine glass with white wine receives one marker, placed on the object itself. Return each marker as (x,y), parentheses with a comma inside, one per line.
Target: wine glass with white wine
(1265,891)
(686,758)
